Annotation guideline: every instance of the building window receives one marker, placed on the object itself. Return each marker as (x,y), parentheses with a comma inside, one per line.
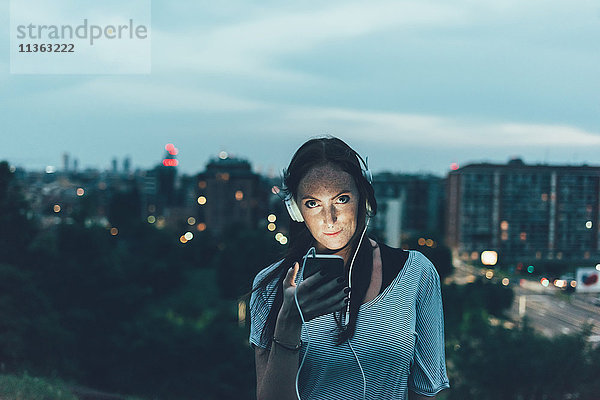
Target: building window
(223,176)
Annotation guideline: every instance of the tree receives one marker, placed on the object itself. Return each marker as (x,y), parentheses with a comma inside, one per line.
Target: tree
(520,364)
(30,331)
(16,226)
(241,256)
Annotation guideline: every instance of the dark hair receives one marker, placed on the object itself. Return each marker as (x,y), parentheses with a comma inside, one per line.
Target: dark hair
(317,152)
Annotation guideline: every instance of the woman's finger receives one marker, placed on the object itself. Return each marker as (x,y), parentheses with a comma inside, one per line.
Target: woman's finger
(290,277)
(321,288)
(317,279)
(334,300)
(331,306)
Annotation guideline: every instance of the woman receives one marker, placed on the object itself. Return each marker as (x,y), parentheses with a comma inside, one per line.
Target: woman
(391,345)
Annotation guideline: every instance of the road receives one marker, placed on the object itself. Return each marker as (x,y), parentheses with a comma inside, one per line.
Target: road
(548,309)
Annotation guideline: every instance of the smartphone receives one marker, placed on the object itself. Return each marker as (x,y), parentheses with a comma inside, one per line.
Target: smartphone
(332,265)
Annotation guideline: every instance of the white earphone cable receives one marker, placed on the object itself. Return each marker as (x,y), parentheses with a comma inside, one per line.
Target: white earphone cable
(347,319)
(361,370)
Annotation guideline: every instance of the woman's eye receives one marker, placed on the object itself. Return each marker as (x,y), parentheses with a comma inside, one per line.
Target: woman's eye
(311,204)
(344,199)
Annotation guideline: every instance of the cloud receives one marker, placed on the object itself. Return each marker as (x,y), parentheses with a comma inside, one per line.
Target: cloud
(252,46)
(143,96)
(125,95)
(423,130)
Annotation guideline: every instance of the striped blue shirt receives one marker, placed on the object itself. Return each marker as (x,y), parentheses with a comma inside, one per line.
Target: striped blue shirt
(399,340)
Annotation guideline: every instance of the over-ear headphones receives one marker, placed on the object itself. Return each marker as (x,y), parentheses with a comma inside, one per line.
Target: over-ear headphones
(292,206)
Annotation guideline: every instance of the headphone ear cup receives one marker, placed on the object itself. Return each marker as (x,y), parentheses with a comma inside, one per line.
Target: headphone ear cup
(369,209)
(293,210)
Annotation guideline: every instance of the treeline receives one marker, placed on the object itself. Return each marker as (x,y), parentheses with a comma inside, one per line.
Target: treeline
(496,362)
(136,313)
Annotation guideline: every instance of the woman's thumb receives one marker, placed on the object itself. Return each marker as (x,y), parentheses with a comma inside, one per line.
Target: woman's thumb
(290,278)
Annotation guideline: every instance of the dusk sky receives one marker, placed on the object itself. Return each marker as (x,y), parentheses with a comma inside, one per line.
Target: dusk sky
(413,85)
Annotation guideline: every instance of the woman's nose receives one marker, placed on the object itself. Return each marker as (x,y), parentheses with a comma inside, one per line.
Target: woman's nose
(330,215)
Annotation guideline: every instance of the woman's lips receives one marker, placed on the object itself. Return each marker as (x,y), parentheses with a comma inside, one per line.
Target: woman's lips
(332,234)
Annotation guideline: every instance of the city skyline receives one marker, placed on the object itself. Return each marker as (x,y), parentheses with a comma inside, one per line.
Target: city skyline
(415,87)
(75,164)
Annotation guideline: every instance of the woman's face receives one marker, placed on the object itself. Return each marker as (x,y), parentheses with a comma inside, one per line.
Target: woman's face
(328,200)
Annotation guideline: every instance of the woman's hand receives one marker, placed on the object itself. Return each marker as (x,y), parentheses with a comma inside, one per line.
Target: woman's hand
(317,295)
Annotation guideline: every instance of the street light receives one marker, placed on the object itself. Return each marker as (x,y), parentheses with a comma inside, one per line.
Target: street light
(489,257)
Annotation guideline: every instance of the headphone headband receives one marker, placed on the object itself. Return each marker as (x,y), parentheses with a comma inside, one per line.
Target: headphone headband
(366,172)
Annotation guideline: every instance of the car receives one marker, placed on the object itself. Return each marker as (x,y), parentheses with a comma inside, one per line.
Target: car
(566,282)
